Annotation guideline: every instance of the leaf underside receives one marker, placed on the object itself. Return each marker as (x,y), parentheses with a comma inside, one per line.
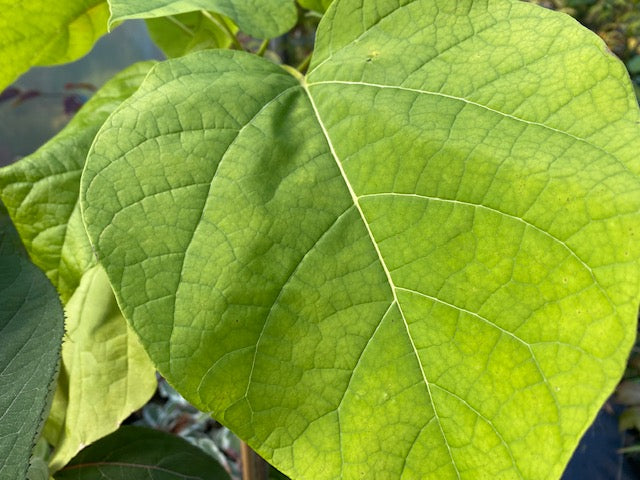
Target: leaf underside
(317,5)
(416,262)
(108,374)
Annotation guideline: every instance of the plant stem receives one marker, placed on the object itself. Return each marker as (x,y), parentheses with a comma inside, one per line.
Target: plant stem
(223,25)
(302,68)
(254,467)
(263,47)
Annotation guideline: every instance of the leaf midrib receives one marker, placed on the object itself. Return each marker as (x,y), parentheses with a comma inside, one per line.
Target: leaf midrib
(392,286)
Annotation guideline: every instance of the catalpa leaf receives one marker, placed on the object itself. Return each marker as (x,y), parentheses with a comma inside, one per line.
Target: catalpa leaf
(107,374)
(39,32)
(31,327)
(41,190)
(260,18)
(134,452)
(418,261)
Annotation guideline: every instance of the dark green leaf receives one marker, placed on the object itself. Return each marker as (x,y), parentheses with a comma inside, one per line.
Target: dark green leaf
(140,453)
(31,328)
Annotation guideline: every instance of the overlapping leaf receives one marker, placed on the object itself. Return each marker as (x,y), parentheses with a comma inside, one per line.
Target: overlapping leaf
(31,327)
(260,18)
(41,190)
(416,262)
(39,32)
(100,354)
(133,452)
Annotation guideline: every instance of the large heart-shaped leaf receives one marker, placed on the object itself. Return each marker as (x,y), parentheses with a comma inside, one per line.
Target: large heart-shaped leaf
(31,327)
(40,32)
(260,18)
(418,261)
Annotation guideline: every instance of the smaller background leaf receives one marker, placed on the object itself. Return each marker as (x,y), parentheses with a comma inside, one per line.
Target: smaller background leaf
(41,190)
(177,35)
(259,18)
(134,452)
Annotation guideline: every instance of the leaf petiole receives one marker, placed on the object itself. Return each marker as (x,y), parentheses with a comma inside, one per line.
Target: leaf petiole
(234,40)
(302,67)
(263,47)
(180,25)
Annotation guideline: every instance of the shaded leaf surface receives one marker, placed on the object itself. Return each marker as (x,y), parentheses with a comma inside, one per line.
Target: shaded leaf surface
(134,452)
(38,33)
(41,190)
(10,243)
(177,35)
(416,262)
(260,18)
(31,328)
(107,374)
